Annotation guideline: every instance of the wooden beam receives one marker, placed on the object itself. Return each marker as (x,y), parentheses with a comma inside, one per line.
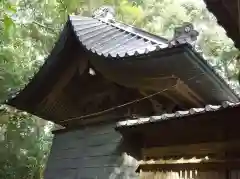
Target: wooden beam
(188,94)
(201,149)
(200,167)
(57,88)
(155,84)
(215,126)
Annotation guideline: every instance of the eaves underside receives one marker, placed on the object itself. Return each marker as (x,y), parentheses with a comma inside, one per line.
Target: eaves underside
(128,46)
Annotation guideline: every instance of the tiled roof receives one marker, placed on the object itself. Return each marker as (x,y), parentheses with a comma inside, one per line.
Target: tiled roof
(114,39)
(117,40)
(177,114)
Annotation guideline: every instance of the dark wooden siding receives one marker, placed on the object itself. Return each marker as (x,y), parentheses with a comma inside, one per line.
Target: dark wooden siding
(92,153)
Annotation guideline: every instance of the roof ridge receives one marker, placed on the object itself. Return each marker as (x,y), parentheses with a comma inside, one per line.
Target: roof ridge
(146,35)
(111,42)
(139,51)
(130,29)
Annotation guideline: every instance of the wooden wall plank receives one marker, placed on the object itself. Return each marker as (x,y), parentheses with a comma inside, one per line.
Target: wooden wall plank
(201,149)
(203,167)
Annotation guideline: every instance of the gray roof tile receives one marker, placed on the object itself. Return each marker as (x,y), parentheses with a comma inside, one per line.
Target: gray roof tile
(177,114)
(120,40)
(114,39)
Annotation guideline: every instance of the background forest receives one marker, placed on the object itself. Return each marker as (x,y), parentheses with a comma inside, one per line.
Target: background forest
(28,31)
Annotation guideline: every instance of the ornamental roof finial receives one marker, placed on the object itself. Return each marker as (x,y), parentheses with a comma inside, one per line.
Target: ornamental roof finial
(184,34)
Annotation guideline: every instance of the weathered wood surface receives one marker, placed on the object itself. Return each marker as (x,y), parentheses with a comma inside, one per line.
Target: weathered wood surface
(185,174)
(190,174)
(95,152)
(200,149)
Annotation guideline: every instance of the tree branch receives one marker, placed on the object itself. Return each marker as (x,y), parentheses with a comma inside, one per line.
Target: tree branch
(63,4)
(225,66)
(233,59)
(45,27)
(40,25)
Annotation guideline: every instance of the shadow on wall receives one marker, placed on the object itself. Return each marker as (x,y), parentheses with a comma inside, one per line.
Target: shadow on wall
(92,153)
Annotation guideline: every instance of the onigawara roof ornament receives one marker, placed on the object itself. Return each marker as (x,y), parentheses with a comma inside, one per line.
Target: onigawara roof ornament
(106,13)
(184,34)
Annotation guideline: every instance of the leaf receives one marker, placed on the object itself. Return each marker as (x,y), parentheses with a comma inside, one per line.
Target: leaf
(4,118)
(11,8)
(9,26)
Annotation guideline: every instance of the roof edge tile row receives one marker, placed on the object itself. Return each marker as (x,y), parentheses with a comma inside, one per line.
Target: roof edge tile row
(155,49)
(177,114)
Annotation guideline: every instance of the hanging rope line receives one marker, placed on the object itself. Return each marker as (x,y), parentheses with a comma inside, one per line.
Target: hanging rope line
(123,105)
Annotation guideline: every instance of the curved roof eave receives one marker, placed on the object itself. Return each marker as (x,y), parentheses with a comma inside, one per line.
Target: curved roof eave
(24,94)
(124,44)
(114,40)
(71,25)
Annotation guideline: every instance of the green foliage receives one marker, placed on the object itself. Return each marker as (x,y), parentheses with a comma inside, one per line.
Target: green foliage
(127,9)
(162,16)
(28,31)
(23,46)
(24,145)
(9,26)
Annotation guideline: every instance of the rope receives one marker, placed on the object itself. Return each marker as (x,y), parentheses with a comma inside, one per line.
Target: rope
(122,105)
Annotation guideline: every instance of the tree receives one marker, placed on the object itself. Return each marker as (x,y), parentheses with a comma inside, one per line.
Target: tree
(23,150)
(162,16)
(24,42)
(28,31)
